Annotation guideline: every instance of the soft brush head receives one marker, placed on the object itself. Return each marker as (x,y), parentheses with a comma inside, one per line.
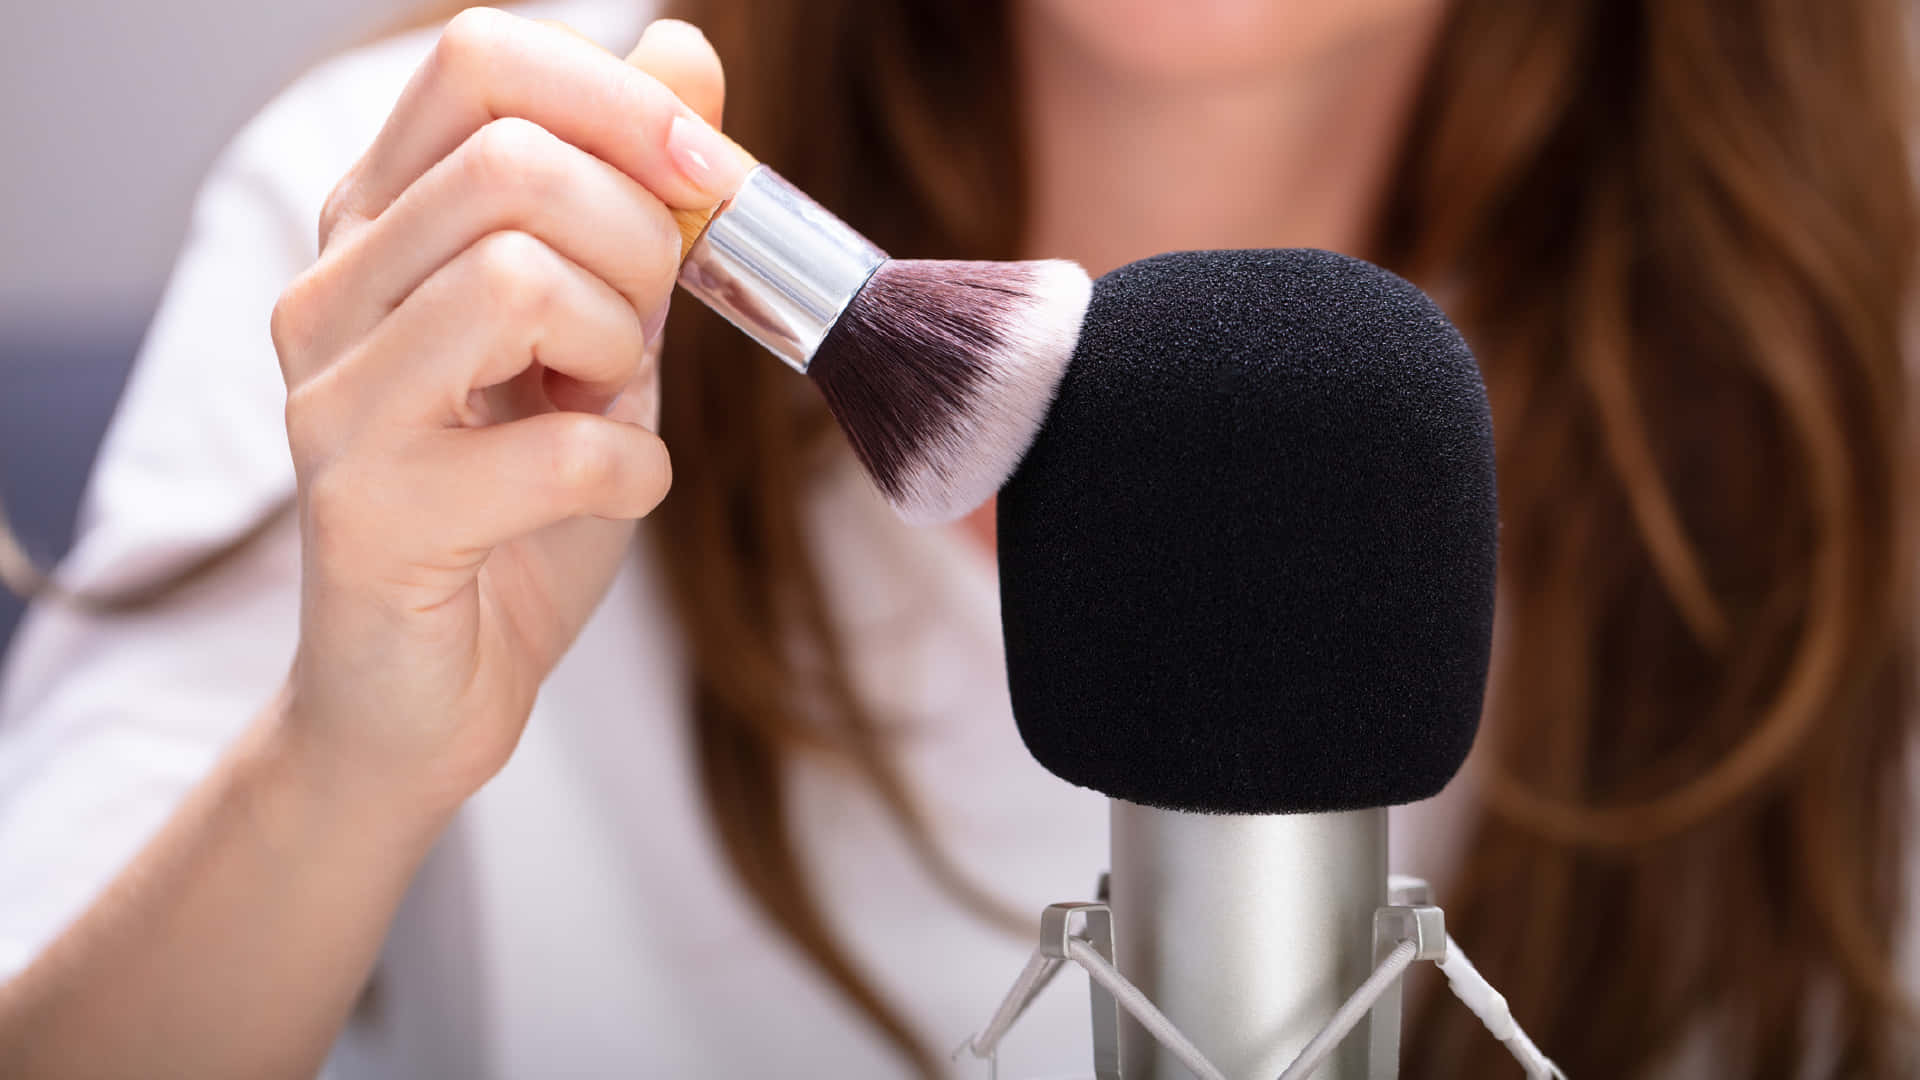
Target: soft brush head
(1248,565)
(941,372)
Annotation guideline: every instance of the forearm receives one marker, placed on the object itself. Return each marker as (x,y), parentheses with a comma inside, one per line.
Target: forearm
(236,943)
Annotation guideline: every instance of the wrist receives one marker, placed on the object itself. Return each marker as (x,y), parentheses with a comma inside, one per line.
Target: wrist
(322,783)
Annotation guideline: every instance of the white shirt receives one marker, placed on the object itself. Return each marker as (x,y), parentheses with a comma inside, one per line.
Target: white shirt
(577,918)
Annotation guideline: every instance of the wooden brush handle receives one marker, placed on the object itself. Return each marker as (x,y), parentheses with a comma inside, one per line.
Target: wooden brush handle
(692,223)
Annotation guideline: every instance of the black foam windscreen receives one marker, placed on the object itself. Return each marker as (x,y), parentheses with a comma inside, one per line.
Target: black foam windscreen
(1248,565)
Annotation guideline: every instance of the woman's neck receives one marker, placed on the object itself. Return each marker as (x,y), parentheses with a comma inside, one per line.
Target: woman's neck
(1121,170)
(1123,167)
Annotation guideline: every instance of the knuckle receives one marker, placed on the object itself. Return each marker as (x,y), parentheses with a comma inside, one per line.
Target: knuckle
(513,138)
(586,459)
(332,211)
(468,41)
(338,209)
(292,323)
(516,274)
(513,158)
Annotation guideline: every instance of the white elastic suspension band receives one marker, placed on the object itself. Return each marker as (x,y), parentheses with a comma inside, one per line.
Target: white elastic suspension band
(1130,998)
(1467,984)
(1352,1011)
(1490,1005)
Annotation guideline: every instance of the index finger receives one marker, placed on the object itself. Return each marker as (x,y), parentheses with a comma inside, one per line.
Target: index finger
(489,65)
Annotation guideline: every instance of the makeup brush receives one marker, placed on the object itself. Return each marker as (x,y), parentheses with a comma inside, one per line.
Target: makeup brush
(940,372)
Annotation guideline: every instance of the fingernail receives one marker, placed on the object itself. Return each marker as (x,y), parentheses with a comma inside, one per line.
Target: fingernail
(654,325)
(714,165)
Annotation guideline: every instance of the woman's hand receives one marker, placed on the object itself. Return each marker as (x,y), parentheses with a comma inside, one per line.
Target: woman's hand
(469,392)
(471,387)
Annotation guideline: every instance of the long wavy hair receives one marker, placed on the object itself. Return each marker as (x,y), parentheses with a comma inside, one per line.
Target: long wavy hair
(1682,236)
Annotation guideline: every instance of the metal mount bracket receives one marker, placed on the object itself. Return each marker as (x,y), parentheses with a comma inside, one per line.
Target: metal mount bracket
(1096,922)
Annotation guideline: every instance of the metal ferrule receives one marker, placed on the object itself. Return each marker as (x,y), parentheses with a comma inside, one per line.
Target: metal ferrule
(779,266)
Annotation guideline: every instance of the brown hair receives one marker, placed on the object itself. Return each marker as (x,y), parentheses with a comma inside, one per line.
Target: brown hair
(1685,235)
(1681,235)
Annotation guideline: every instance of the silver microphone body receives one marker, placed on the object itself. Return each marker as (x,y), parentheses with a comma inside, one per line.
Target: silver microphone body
(1248,932)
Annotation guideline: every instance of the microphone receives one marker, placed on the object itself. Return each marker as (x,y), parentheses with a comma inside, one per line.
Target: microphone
(1247,585)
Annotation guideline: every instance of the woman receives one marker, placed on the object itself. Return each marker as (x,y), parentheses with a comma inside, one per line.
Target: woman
(767,808)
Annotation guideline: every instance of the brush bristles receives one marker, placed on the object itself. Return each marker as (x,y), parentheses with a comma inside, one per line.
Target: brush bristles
(941,374)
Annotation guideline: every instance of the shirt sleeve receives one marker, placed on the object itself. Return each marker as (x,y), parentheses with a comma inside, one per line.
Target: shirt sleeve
(107,721)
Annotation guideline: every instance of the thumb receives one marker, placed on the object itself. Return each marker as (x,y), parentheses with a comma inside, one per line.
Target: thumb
(679,55)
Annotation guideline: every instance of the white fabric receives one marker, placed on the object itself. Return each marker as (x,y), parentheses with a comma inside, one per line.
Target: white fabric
(576,920)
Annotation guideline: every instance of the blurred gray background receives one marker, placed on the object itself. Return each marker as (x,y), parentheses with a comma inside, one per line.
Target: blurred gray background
(110,112)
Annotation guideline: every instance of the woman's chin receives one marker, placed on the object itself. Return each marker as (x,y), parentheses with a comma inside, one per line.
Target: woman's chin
(1212,41)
